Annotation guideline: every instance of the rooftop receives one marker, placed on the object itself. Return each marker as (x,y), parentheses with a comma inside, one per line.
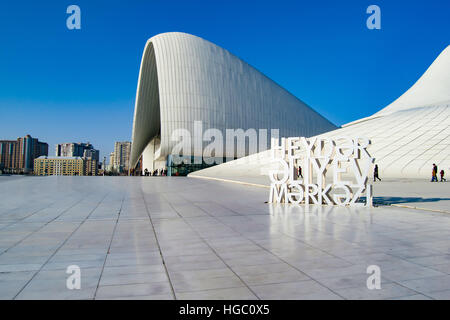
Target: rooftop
(57,157)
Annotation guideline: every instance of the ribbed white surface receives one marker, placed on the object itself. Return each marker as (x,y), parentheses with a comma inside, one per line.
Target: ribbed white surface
(197,80)
(406,143)
(407,137)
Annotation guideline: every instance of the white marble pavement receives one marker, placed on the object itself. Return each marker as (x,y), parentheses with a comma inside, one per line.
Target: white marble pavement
(186,238)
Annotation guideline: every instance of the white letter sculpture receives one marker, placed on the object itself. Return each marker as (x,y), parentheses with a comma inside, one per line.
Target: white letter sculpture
(317,158)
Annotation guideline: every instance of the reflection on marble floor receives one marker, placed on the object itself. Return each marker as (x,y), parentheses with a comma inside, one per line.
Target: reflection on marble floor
(185,238)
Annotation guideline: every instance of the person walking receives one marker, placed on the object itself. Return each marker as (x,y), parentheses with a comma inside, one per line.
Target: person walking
(375,173)
(442,176)
(434,173)
(300,172)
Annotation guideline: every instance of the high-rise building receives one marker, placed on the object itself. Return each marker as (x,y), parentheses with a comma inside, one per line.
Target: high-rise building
(121,156)
(85,151)
(91,154)
(18,156)
(79,149)
(7,153)
(111,162)
(90,166)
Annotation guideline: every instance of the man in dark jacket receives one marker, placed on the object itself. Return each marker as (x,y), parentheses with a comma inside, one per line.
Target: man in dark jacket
(375,173)
(434,173)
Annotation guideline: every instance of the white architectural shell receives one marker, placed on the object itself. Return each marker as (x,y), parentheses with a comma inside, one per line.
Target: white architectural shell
(184,78)
(407,136)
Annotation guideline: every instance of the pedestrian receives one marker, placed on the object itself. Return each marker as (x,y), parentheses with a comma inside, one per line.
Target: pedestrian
(442,176)
(375,173)
(300,172)
(434,173)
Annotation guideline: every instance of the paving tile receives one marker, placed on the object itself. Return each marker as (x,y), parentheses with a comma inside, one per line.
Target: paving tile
(269,278)
(241,293)
(413,297)
(166,296)
(10,288)
(262,269)
(133,290)
(134,261)
(349,281)
(440,295)
(198,265)
(123,270)
(133,278)
(51,289)
(432,260)
(429,284)
(300,290)
(201,274)
(387,291)
(417,272)
(19,267)
(206,283)
(16,276)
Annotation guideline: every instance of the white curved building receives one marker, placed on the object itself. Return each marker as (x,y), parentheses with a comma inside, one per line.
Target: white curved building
(407,136)
(184,78)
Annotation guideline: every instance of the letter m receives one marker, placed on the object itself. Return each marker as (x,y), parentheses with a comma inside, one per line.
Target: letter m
(277,193)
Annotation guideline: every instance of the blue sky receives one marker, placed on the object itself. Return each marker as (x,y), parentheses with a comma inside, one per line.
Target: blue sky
(65,85)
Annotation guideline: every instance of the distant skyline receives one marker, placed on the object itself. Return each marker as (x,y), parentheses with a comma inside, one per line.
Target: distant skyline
(61,85)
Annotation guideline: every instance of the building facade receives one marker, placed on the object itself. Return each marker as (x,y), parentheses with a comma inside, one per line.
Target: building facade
(8,154)
(121,156)
(90,166)
(111,162)
(65,166)
(59,166)
(79,149)
(18,156)
(185,79)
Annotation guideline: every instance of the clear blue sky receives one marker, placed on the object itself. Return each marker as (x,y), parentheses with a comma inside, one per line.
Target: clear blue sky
(65,85)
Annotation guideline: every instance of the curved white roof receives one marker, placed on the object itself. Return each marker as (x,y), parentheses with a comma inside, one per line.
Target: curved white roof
(432,88)
(184,78)
(407,136)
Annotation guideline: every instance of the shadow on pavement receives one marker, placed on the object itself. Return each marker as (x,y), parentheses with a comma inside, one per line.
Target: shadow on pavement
(395,200)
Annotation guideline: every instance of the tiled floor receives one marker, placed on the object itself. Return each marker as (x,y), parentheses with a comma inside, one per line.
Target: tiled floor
(185,238)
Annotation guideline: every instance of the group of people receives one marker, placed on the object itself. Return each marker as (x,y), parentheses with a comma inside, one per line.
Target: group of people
(434,173)
(158,172)
(375,173)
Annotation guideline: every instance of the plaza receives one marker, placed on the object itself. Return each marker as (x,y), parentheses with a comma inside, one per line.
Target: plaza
(190,238)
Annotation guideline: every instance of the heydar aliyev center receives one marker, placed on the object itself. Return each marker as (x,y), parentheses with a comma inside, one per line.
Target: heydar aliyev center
(407,136)
(185,79)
